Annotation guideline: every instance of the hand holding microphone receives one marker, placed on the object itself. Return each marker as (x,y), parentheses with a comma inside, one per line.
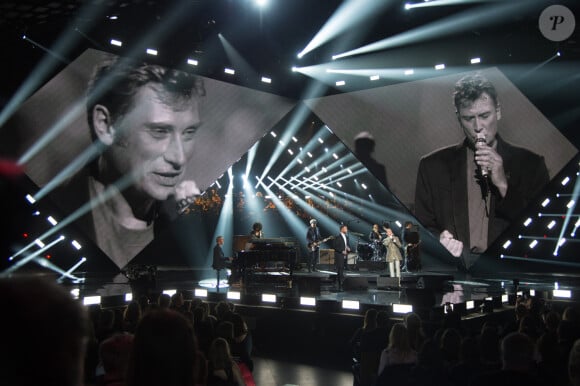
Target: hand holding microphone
(490,163)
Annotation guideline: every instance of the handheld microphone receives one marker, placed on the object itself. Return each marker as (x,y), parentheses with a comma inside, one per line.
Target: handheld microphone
(481,139)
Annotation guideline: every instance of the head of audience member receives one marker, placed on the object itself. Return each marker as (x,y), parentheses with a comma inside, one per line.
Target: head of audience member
(571,314)
(225,330)
(383,319)
(450,343)
(574,364)
(176,301)
(164,300)
(164,351)
(370,321)
(469,350)
(517,352)
(415,329)
(146,116)
(114,353)
(429,355)
(222,310)
(551,321)
(477,107)
(240,327)
(43,333)
(489,343)
(220,357)
(399,338)
(132,315)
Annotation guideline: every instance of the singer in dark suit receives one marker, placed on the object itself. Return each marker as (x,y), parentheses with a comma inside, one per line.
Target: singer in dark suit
(341,250)
(468,193)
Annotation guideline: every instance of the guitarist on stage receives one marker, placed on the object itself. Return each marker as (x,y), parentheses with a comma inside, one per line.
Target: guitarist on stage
(313,239)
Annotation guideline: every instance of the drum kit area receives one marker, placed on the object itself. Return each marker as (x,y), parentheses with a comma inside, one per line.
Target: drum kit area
(373,251)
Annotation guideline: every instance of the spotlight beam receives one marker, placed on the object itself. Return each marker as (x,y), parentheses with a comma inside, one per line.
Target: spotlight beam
(14,267)
(542,261)
(69,272)
(569,212)
(467,20)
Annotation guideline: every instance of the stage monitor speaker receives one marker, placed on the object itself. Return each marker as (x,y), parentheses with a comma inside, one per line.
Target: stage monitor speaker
(326,256)
(355,284)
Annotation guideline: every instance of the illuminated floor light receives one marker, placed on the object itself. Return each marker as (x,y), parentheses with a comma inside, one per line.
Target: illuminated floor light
(51,220)
(532,292)
(551,224)
(374,77)
(557,293)
(507,244)
(545,202)
(30,199)
(170,292)
(76,245)
(350,304)
(570,204)
(565,181)
(90,300)
(470,305)
(192,62)
(402,308)
(533,244)
(200,293)
(266,80)
(128,297)
(75,292)
(409,72)
(307,301)
(340,83)
(234,295)
(440,66)
(475,60)
(229,71)
(269,298)
(39,243)
(117,43)
(504,298)
(527,222)
(151,51)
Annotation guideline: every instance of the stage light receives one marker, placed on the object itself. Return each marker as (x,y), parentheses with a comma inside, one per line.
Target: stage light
(36,213)
(30,199)
(545,202)
(295,139)
(266,80)
(551,224)
(321,140)
(90,300)
(151,51)
(364,186)
(350,304)
(290,151)
(504,298)
(76,245)
(470,305)
(374,77)
(51,220)
(229,71)
(440,66)
(340,83)
(200,293)
(39,243)
(128,297)
(273,134)
(558,53)
(565,181)
(268,298)
(117,43)
(299,161)
(561,242)
(334,155)
(409,72)
(475,60)
(324,169)
(307,301)
(570,204)
(402,308)
(75,292)
(294,68)
(192,62)
(234,295)
(309,154)
(557,293)
(349,171)
(170,292)
(407,6)
(307,169)
(339,184)
(282,143)
(507,244)
(113,17)
(527,222)
(533,244)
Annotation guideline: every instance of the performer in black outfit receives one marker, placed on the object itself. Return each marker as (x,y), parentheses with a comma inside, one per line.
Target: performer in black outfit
(219,259)
(313,238)
(375,237)
(256,232)
(341,250)
(411,240)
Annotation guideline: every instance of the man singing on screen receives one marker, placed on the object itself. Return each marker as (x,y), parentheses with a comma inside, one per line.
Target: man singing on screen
(145,117)
(468,193)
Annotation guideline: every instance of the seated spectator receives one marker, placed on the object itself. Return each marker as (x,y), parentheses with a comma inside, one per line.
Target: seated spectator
(551,364)
(517,356)
(430,368)
(469,363)
(42,333)
(222,369)
(399,350)
(131,317)
(489,348)
(449,346)
(114,355)
(415,329)
(165,352)
(574,364)
(164,301)
(241,346)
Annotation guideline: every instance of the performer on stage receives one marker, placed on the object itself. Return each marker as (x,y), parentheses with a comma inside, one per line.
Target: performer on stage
(411,240)
(392,243)
(341,250)
(313,239)
(220,261)
(375,235)
(256,232)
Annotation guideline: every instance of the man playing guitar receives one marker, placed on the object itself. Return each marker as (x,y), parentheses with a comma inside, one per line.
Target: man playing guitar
(314,240)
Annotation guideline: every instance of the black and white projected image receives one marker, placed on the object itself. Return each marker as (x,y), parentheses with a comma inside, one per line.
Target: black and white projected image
(125,147)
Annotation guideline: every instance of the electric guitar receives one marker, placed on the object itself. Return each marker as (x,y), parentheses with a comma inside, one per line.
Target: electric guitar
(312,246)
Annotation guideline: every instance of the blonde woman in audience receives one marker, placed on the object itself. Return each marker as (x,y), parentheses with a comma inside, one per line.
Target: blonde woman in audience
(399,350)
(222,369)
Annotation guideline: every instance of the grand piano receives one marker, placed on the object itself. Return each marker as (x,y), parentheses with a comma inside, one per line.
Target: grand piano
(266,259)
